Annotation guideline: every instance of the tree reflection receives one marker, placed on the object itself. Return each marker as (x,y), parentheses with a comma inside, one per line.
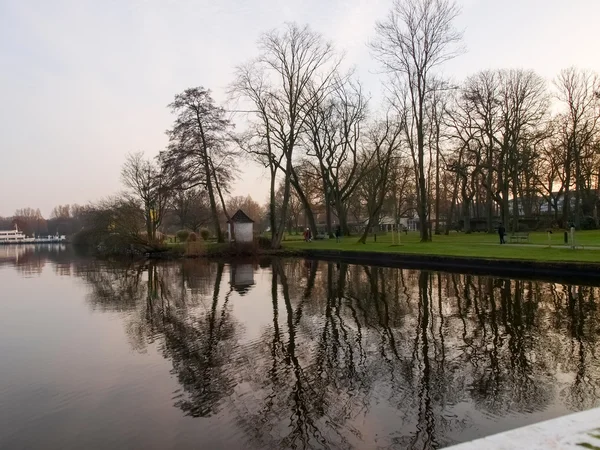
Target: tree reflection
(199,340)
(353,356)
(30,259)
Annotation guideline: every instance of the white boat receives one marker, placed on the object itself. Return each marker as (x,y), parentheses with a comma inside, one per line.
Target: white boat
(18,237)
(12,236)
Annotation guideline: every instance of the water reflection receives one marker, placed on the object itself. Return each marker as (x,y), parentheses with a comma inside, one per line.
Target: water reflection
(30,259)
(302,354)
(242,277)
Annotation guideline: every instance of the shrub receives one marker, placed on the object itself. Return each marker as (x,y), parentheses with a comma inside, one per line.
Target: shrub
(264,242)
(192,237)
(182,235)
(204,234)
(588,223)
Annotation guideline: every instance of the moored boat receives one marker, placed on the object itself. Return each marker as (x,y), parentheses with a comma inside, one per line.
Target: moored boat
(18,237)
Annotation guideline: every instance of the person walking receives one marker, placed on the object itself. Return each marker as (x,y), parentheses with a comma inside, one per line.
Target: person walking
(338,234)
(501,233)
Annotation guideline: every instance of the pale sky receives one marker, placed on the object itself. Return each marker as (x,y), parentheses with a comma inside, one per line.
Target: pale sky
(83,83)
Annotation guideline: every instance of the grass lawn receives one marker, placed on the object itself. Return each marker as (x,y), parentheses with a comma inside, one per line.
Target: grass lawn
(479,245)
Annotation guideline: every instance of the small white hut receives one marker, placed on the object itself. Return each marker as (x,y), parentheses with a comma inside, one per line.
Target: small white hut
(243,228)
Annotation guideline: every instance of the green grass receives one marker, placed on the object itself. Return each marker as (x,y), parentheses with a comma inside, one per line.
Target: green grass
(479,245)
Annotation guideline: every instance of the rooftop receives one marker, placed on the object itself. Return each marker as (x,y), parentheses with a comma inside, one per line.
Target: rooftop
(240,217)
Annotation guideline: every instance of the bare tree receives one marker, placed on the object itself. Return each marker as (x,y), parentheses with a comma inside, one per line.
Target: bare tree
(415,39)
(578,91)
(383,142)
(293,67)
(198,153)
(147,185)
(480,102)
(523,108)
(333,135)
(30,221)
(436,112)
(61,212)
(498,119)
(192,209)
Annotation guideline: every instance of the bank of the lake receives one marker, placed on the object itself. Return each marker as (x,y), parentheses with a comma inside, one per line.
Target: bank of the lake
(476,253)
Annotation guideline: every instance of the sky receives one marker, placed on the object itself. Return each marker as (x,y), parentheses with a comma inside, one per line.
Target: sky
(85,82)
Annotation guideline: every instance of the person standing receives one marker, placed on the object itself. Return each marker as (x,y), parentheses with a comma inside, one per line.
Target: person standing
(501,233)
(338,234)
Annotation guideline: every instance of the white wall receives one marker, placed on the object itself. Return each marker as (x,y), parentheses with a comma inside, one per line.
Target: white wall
(244,232)
(242,275)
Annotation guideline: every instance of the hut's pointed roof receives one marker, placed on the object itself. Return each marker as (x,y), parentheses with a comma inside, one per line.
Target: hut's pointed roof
(240,217)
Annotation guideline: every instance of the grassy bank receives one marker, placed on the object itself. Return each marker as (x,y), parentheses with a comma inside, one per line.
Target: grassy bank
(476,245)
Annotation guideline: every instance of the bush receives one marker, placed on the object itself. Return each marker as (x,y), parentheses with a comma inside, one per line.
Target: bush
(192,237)
(204,234)
(588,223)
(182,235)
(264,242)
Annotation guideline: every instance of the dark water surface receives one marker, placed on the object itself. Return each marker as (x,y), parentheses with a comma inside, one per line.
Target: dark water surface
(281,354)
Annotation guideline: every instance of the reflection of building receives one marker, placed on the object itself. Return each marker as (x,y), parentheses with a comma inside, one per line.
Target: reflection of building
(12,253)
(243,228)
(242,277)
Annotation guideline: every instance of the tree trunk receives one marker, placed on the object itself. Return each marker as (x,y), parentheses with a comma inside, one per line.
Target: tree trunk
(213,204)
(466,214)
(278,234)
(363,237)
(310,217)
(231,228)
(488,196)
(578,189)
(452,206)
(437,185)
(566,201)
(328,216)
(272,206)
(422,188)
(342,214)
(148,224)
(209,185)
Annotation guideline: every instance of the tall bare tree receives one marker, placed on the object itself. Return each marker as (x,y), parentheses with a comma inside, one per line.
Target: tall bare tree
(578,91)
(523,108)
(383,142)
(479,100)
(295,65)
(416,38)
(333,136)
(199,153)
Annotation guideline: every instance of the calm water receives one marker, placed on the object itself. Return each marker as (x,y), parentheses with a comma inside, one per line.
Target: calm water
(281,354)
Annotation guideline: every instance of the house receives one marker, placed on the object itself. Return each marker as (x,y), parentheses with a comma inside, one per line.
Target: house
(243,228)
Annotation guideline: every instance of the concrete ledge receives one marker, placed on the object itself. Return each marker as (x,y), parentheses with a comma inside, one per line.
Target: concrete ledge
(570,272)
(575,431)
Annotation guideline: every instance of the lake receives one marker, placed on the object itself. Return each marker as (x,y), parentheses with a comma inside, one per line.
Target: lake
(281,353)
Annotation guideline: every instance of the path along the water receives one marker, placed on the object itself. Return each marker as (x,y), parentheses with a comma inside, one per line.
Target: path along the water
(566,247)
(573,432)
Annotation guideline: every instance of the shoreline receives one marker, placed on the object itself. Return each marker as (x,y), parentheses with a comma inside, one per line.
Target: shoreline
(571,271)
(513,268)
